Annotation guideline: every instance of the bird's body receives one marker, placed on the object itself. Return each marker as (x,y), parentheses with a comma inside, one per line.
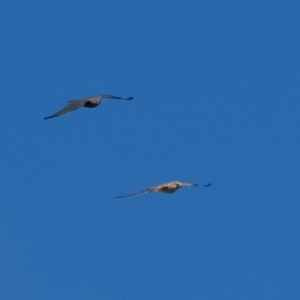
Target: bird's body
(89,102)
(169,188)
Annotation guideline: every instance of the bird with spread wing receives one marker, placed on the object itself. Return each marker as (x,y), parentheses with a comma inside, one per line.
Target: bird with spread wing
(89,102)
(169,188)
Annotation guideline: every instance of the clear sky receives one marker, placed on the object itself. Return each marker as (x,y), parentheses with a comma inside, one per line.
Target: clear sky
(216,99)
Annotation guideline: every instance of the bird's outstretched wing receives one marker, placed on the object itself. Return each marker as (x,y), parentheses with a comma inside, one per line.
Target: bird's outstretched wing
(146,191)
(114,97)
(74,104)
(136,194)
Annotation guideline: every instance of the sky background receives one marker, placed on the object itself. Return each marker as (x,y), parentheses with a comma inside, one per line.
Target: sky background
(216,99)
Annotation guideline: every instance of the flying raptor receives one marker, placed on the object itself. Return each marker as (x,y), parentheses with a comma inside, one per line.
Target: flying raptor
(89,102)
(169,188)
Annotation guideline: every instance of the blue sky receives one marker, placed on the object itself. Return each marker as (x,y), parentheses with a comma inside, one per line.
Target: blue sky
(216,99)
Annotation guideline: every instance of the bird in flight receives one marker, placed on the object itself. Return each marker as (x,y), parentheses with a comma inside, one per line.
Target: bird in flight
(89,102)
(169,188)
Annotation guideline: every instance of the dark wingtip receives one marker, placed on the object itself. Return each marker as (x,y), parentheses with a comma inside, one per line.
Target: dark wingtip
(130,98)
(206,185)
(49,117)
